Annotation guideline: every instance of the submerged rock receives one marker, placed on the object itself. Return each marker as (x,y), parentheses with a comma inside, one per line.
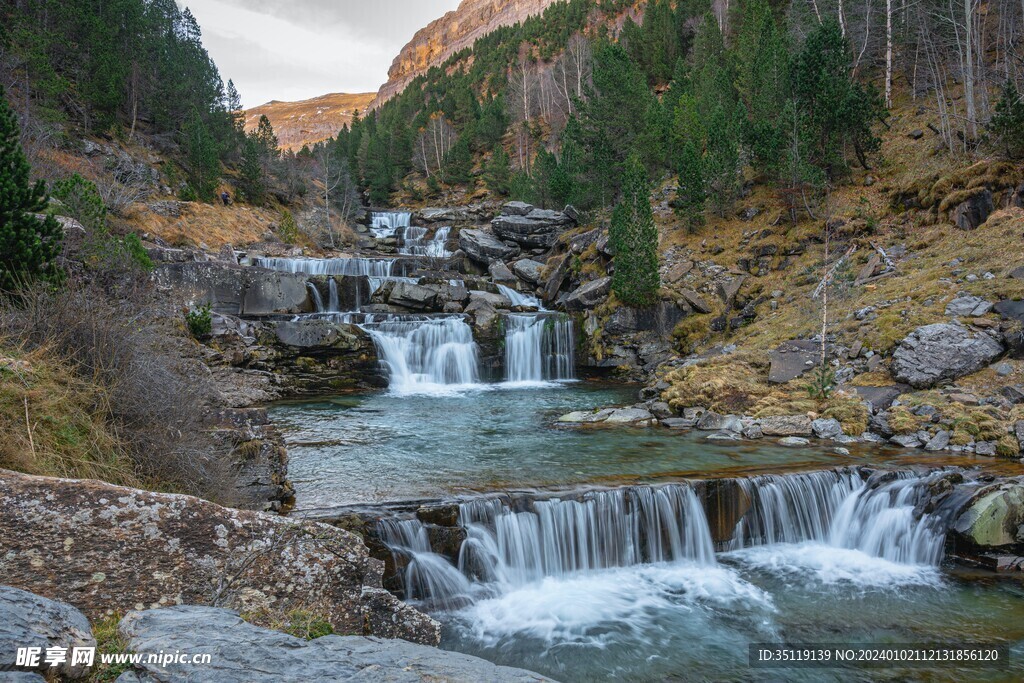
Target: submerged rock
(942,351)
(236,646)
(794,441)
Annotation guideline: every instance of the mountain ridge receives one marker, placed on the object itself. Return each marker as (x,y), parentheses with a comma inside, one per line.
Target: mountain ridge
(309,121)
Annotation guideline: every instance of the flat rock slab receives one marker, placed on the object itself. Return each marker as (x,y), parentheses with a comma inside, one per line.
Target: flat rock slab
(942,352)
(786,425)
(881,398)
(589,295)
(243,653)
(792,359)
(29,620)
(1010,309)
(484,248)
(109,549)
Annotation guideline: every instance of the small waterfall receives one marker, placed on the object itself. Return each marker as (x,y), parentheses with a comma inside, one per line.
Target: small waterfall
(424,353)
(840,509)
(414,243)
(539,347)
(428,576)
(318,301)
(379,268)
(520,299)
(333,301)
(385,224)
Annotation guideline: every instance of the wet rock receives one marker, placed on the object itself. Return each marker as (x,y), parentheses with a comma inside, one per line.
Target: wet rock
(29,620)
(786,425)
(538,228)
(987,448)
(713,422)
(316,334)
(589,295)
(629,416)
(827,428)
(723,436)
(484,248)
(528,270)
(753,432)
(661,410)
(482,311)
(966,305)
(995,518)
(678,423)
(234,645)
(794,441)
(496,300)
(501,274)
(792,359)
(441,515)
(942,351)
(413,296)
(110,549)
(906,440)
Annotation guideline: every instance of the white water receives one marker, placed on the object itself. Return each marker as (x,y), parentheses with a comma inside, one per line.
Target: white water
(520,299)
(380,268)
(415,242)
(426,355)
(385,224)
(539,347)
(333,303)
(318,301)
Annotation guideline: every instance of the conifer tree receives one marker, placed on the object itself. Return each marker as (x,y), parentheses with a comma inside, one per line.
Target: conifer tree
(251,180)
(29,246)
(498,171)
(689,139)
(634,237)
(202,157)
(1008,121)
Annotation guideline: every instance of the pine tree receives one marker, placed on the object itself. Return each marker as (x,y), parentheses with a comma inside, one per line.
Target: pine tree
(634,237)
(689,139)
(251,181)
(29,246)
(498,171)
(1008,121)
(202,157)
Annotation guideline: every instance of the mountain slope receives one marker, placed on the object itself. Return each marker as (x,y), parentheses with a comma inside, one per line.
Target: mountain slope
(454,31)
(309,121)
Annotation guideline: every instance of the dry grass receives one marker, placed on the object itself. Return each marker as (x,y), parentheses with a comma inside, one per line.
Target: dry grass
(210,224)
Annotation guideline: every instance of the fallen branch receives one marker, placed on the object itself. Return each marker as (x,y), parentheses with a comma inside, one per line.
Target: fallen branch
(889,263)
(832,271)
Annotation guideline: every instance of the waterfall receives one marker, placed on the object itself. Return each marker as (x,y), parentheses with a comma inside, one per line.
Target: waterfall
(385,224)
(840,509)
(423,354)
(414,242)
(539,347)
(333,302)
(428,576)
(336,266)
(520,299)
(318,301)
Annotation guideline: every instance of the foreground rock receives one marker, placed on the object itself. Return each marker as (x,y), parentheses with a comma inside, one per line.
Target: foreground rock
(28,620)
(243,653)
(995,518)
(108,549)
(943,351)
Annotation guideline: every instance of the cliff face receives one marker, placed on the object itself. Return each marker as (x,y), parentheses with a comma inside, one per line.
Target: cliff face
(454,31)
(308,121)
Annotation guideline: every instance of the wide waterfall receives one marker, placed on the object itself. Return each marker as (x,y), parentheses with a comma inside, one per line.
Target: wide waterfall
(539,347)
(512,544)
(423,354)
(415,242)
(519,299)
(385,224)
(367,267)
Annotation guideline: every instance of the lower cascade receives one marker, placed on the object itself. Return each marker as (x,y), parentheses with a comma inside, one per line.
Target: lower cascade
(539,347)
(507,546)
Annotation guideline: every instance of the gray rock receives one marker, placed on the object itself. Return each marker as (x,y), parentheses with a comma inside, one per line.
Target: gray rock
(827,428)
(723,436)
(413,296)
(501,274)
(713,422)
(629,416)
(906,440)
(243,653)
(794,441)
(938,442)
(482,312)
(972,213)
(985,448)
(1010,309)
(516,208)
(538,228)
(678,423)
(966,306)
(881,398)
(753,432)
(484,248)
(942,351)
(839,450)
(792,359)
(693,413)
(28,620)
(556,278)
(786,425)
(314,334)
(528,270)
(1017,273)
(661,410)
(695,301)
(660,318)
(995,518)
(496,300)
(1003,369)
(589,295)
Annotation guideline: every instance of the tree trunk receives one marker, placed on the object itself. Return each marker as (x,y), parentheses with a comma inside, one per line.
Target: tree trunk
(888,54)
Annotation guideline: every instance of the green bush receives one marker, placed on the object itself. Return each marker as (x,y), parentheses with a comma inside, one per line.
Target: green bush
(289,230)
(82,201)
(199,321)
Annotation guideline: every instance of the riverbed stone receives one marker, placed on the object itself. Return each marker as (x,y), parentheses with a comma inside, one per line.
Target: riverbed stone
(827,428)
(109,549)
(589,295)
(30,620)
(483,247)
(678,423)
(786,425)
(995,518)
(711,421)
(907,440)
(234,645)
(938,442)
(629,416)
(794,441)
(942,352)
(661,410)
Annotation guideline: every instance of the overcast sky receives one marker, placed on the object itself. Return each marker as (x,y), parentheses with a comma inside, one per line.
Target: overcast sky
(296,49)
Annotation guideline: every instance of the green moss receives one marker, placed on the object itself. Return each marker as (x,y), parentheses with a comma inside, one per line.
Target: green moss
(303,624)
(108,642)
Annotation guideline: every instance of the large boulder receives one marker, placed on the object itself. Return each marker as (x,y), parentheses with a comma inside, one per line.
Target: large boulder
(528,270)
(501,274)
(243,653)
(786,425)
(974,211)
(483,247)
(996,518)
(109,549)
(30,621)
(661,318)
(589,295)
(414,296)
(942,352)
(516,209)
(537,229)
(268,292)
